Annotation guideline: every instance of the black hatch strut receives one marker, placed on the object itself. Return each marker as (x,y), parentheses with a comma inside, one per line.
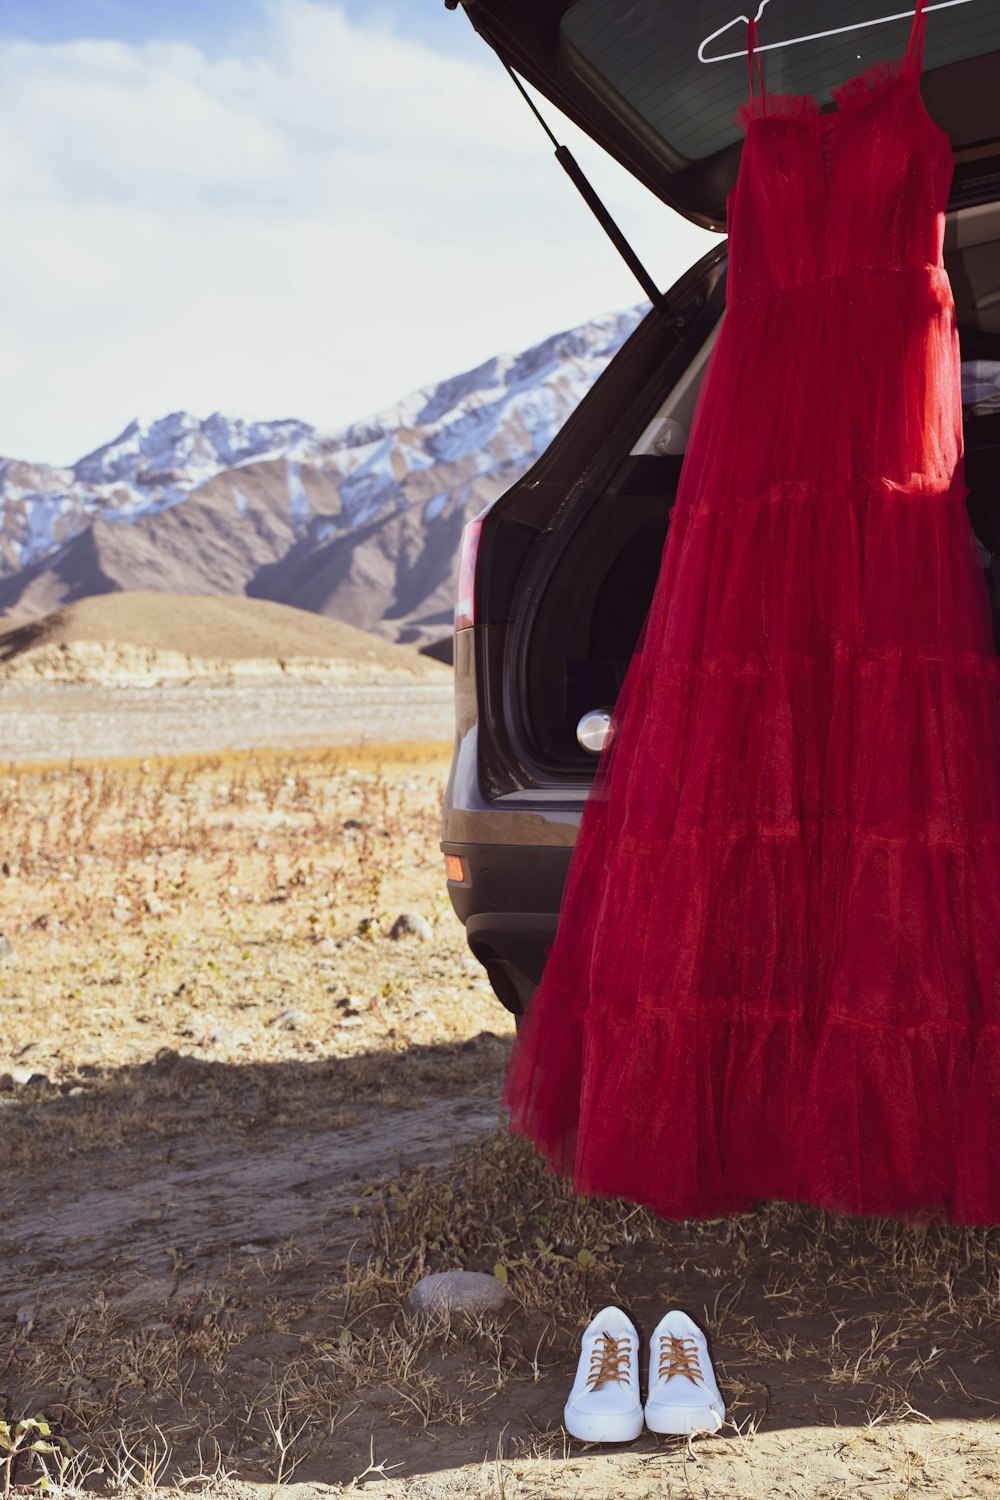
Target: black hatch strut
(567,160)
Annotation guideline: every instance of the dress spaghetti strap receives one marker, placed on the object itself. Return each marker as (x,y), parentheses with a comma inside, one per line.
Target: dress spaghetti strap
(913,61)
(754,63)
(909,64)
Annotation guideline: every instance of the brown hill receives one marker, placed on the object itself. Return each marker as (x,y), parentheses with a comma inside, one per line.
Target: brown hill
(149,636)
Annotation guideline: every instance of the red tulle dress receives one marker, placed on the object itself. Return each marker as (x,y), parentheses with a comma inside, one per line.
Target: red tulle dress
(776,973)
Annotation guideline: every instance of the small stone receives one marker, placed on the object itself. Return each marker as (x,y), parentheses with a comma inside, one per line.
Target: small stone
(26,1317)
(24,1077)
(230,1036)
(7,954)
(411,924)
(369,927)
(352,824)
(209,1031)
(289,1020)
(468,1292)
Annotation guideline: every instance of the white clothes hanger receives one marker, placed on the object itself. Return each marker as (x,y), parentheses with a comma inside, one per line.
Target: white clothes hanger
(812,36)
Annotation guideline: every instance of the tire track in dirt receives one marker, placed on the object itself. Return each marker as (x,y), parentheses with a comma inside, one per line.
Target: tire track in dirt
(200,1200)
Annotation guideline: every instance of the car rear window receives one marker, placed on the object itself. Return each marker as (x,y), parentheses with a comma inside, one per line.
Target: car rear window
(647,52)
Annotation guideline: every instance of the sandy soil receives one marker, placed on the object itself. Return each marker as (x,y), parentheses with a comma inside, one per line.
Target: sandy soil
(238,1120)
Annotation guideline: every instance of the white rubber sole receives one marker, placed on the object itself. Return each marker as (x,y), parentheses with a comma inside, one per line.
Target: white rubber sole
(603,1428)
(681,1421)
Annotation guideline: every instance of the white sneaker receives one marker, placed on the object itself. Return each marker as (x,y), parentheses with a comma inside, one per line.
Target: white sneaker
(683,1394)
(604,1405)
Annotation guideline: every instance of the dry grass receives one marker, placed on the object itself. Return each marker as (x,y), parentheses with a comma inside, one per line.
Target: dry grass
(188,907)
(165,918)
(304,1363)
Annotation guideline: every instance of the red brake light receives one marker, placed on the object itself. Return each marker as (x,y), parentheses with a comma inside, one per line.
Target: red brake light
(465,602)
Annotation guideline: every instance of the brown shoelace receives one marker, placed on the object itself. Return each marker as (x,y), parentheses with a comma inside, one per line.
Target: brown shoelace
(679,1357)
(606,1362)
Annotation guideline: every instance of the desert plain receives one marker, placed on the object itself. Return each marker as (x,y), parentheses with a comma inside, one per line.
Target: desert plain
(242,1112)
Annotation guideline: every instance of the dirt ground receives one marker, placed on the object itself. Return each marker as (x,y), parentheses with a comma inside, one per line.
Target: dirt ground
(57,721)
(238,1120)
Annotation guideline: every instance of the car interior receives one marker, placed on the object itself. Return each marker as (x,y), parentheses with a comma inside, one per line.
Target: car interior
(612,549)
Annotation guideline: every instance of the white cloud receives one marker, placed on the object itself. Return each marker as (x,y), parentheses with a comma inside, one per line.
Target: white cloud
(311,230)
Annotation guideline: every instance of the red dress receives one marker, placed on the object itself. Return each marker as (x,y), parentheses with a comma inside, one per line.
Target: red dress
(777,968)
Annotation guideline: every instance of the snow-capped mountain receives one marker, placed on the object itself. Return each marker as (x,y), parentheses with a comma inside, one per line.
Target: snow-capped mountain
(362,524)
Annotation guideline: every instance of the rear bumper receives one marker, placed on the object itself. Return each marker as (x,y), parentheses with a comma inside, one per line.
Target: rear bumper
(509,902)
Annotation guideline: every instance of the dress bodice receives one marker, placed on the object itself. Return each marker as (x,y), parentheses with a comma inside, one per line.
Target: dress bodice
(824,194)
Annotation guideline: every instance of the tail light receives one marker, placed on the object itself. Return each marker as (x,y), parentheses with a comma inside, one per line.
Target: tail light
(465,602)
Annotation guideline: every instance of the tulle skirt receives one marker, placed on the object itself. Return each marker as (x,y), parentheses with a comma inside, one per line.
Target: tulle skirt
(777,967)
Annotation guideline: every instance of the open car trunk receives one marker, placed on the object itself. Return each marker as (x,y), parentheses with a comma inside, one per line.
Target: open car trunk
(601,561)
(657,82)
(570,555)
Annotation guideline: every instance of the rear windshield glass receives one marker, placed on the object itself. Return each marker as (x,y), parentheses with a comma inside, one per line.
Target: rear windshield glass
(647,51)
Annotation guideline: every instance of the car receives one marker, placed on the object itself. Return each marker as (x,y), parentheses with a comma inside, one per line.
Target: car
(556,576)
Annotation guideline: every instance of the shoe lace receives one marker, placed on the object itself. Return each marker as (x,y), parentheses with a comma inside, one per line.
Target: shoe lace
(610,1359)
(679,1357)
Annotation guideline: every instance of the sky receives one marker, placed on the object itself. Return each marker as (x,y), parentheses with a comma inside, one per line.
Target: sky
(280,208)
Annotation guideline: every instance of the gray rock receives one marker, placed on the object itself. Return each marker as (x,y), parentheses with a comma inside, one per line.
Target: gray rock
(22,1077)
(7,954)
(468,1292)
(209,1031)
(411,924)
(289,1020)
(224,1035)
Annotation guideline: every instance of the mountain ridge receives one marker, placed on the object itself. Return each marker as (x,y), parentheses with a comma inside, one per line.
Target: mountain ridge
(360,524)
